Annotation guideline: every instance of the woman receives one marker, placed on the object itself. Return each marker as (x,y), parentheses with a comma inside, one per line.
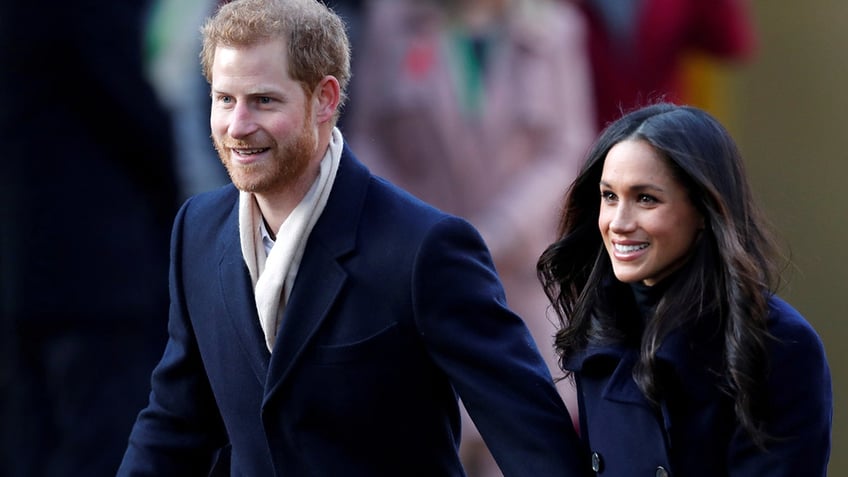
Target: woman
(685,360)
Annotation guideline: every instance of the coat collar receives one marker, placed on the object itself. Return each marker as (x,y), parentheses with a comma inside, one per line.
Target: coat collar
(319,280)
(691,354)
(237,292)
(320,277)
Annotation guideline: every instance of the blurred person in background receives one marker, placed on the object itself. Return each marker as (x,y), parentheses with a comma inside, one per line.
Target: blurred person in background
(642,50)
(351,11)
(88,193)
(172,45)
(482,108)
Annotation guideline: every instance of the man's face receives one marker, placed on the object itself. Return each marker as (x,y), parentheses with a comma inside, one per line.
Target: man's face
(262,122)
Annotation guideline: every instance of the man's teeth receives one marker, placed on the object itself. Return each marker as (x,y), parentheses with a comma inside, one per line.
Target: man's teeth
(629,248)
(247,152)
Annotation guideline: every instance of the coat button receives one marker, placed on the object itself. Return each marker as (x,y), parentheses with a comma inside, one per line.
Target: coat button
(661,472)
(597,462)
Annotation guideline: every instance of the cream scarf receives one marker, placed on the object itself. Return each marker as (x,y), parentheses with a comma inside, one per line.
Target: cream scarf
(273,275)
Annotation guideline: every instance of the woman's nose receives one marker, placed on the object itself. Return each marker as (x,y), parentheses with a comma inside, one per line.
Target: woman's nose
(622,220)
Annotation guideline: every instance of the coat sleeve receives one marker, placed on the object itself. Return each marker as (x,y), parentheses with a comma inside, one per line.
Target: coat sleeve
(799,405)
(180,430)
(489,355)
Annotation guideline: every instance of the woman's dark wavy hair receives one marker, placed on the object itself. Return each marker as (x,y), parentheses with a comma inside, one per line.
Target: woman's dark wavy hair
(731,274)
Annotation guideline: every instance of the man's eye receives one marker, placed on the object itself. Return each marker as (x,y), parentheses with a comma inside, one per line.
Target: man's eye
(264,100)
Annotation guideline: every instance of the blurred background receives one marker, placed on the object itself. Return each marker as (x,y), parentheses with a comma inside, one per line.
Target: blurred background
(787,109)
(68,193)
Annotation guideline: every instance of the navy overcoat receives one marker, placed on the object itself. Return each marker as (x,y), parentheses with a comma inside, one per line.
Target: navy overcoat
(396,309)
(695,432)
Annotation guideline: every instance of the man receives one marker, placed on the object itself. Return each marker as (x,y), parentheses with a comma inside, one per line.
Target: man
(322,320)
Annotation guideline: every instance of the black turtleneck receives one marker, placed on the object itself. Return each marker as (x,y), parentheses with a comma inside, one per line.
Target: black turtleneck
(647,297)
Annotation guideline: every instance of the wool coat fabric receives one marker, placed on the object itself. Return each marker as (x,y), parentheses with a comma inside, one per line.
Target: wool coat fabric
(695,432)
(396,309)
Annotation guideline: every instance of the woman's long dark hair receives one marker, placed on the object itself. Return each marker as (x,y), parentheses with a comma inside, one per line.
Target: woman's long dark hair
(731,274)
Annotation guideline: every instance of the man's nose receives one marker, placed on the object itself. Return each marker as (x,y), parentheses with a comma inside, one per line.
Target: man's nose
(242,121)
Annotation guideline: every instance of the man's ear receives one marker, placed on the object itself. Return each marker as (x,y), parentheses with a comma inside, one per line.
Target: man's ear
(326,96)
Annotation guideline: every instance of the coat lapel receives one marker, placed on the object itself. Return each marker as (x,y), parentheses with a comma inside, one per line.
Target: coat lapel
(613,365)
(320,277)
(237,290)
(318,283)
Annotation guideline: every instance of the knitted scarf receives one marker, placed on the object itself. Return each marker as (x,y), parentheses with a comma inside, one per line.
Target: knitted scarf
(273,274)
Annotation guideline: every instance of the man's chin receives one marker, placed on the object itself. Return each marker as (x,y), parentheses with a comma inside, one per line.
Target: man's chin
(247,185)
(245,179)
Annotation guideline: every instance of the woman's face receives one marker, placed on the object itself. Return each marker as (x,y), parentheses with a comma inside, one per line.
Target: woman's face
(647,221)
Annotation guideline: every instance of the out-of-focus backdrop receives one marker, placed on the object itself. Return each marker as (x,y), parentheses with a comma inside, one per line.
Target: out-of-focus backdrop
(787,108)
(786,104)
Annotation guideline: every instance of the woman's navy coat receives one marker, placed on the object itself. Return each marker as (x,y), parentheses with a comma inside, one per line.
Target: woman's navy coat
(696,432)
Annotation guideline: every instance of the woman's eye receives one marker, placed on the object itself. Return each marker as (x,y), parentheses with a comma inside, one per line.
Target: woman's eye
(647,199)
(607,195)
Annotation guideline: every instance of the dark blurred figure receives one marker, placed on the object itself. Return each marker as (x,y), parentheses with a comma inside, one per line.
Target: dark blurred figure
(639,48)
(352,12)
(88,193)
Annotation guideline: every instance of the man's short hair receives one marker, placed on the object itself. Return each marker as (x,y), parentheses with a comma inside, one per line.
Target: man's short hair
(315,36)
